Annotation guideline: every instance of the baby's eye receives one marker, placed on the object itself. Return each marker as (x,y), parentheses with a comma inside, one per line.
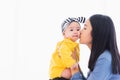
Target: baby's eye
(78,29)
(71,29)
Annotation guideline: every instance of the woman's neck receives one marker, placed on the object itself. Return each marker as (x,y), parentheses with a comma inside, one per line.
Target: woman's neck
(89,46)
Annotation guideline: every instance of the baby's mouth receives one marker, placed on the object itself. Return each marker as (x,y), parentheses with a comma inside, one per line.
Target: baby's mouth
(75,36)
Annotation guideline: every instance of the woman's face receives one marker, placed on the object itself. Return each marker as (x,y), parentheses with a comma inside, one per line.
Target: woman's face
(85,34)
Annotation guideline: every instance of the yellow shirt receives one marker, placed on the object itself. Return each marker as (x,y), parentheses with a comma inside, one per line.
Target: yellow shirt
(62,58)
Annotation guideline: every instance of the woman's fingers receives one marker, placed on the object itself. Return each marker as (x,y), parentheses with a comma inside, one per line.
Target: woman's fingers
(66,73)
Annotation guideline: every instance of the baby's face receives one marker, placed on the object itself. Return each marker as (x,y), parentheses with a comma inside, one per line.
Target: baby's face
(72,31)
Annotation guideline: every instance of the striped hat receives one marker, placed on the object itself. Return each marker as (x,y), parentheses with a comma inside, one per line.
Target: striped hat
(69,20)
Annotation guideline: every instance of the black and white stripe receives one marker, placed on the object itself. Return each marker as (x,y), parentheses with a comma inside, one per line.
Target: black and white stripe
(69,20)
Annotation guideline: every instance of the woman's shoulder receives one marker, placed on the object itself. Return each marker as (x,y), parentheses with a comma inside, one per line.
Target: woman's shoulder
(106,55)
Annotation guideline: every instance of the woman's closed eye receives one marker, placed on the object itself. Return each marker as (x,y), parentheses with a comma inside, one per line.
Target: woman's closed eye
(84,28)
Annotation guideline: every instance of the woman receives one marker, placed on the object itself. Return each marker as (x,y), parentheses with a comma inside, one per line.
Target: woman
(104,62)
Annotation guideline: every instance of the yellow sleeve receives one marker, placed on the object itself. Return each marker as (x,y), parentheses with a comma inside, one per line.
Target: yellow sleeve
(65,54)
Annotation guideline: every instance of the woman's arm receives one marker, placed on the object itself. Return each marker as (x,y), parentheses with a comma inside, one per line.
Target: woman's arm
(102,70)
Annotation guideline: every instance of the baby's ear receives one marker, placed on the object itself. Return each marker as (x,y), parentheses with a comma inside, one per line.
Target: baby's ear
(63,33)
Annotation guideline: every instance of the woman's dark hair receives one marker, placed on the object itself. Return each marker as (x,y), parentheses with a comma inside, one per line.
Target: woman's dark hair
(104,38)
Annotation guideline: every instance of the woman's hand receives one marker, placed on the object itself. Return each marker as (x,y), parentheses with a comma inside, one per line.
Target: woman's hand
(74,68)
(66,73)
(74,54)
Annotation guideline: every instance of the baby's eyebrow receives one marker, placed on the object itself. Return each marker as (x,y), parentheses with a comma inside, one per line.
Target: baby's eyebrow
(74,27)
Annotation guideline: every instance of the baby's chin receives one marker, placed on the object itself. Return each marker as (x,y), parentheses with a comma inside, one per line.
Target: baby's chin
(75,39)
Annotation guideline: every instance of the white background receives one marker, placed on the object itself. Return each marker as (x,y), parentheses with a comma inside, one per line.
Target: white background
(30,29)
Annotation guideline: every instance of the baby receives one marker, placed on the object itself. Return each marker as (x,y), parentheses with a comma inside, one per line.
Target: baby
(67,50)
